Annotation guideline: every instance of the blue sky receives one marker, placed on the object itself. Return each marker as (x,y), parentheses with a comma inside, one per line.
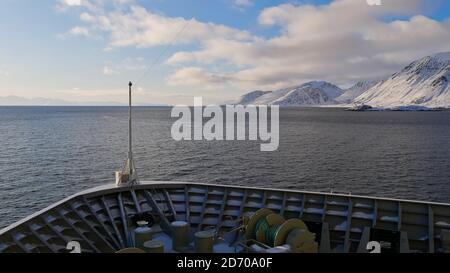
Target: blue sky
(87,50)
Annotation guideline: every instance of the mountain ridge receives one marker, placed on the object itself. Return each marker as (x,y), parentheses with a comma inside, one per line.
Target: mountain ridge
(310,93)
(424,82)
(41,101)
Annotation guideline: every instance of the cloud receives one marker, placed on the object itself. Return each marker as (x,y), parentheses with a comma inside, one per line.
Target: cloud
(127,64)
(108,71)
(72,2)
(92,5)
(79,31)
(195,76)
(243,3)
(343,41)
(65,5)
(141,28)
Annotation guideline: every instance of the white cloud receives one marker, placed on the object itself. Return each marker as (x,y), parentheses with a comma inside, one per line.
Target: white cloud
(195,76)
(127,64)
(91,5)
(79,31)
(139,27)
(72,2)
(245,3)
(64,5)
(343,41)
(108,71)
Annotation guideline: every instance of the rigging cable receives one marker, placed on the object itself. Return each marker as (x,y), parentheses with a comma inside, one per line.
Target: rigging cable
(167,47)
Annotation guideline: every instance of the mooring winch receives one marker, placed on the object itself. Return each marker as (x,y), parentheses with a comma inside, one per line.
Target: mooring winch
(272,230)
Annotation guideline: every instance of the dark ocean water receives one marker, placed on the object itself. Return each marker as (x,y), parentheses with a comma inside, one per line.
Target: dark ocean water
(48,153)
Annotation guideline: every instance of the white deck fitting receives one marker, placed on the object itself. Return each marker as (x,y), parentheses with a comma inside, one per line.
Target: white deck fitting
(99,218)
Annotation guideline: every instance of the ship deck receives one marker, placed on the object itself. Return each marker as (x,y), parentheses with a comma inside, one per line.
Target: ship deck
(99,218)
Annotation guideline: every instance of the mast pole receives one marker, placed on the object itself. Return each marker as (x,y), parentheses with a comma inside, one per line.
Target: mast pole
(130,147)
(128,175)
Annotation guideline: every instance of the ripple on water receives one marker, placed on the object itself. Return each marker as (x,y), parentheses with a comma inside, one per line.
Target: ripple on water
(49,153)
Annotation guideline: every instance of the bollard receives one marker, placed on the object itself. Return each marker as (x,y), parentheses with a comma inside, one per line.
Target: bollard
(153,246)
(142,234)
(204,241)
(180,234)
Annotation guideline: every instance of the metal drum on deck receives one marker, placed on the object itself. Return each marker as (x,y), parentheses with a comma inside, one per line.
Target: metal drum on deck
(142,235)
(204,241)
(154,246)
(180,234)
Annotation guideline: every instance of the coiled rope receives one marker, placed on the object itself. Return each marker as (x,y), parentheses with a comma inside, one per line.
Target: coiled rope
(269,232)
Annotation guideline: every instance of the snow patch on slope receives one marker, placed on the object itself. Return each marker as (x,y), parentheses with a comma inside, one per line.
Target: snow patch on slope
(311,93)
(424,82)
(356,90)
(250,97)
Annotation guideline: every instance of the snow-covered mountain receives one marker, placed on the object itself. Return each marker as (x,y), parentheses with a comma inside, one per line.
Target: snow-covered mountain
(311,93)
(424,82)
(250,97)
(20,101)
(353,92)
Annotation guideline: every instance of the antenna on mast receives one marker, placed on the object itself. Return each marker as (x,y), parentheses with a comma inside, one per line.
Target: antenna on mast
(128,176)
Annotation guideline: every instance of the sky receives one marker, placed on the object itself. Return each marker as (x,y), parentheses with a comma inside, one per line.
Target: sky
(86,51)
